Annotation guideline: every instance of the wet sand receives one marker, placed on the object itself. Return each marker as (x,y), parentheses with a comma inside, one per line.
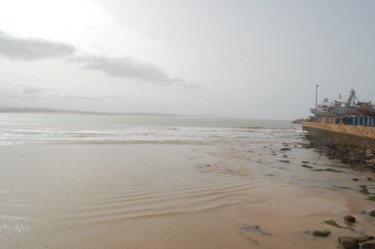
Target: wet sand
(229,195)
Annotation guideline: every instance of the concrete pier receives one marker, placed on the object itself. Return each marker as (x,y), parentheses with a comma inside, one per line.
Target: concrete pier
(347,134)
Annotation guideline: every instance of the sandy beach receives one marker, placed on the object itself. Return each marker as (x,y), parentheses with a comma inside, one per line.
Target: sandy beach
(236,195)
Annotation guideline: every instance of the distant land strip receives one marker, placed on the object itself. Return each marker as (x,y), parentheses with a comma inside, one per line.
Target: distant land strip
(46,110)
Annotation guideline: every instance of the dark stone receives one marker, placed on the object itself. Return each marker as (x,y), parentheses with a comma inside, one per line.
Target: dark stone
(363,189)
(254,228)
(333,223)
(306,166)
(368,245)
(285,149)
(340,187)
(348,243)
(351,242)
(372,213)
(332,170)
(319,233)
(369,178)
(355,179)
(358,156)
(250,228)
(349,218)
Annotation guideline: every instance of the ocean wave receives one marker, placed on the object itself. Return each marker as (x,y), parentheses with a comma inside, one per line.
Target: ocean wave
(76,129)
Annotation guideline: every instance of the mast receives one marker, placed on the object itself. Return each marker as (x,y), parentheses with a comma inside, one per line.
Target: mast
(350,101)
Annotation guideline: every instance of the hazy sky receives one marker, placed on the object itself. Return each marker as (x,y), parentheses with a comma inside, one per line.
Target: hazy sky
(239,58)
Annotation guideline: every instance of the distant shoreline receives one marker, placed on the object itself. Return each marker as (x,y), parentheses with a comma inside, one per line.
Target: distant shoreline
(46,110)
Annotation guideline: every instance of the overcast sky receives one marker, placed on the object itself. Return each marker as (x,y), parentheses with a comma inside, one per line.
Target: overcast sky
(238,58)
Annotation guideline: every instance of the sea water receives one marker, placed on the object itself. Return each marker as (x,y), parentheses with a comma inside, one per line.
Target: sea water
(21,128)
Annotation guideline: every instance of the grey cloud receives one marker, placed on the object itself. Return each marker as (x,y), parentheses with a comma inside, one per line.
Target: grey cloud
(32,49)
(126,67)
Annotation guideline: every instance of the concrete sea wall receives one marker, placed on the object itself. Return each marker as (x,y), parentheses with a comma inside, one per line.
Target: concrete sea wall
(353,135)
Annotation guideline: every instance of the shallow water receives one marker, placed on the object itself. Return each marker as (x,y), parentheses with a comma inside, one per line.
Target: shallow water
(239,189)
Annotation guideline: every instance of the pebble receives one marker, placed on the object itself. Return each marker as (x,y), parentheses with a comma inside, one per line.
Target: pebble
(349,218)
(320,233)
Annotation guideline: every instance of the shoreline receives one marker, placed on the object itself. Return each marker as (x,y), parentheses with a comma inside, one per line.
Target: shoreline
(348,134)
(356,151)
